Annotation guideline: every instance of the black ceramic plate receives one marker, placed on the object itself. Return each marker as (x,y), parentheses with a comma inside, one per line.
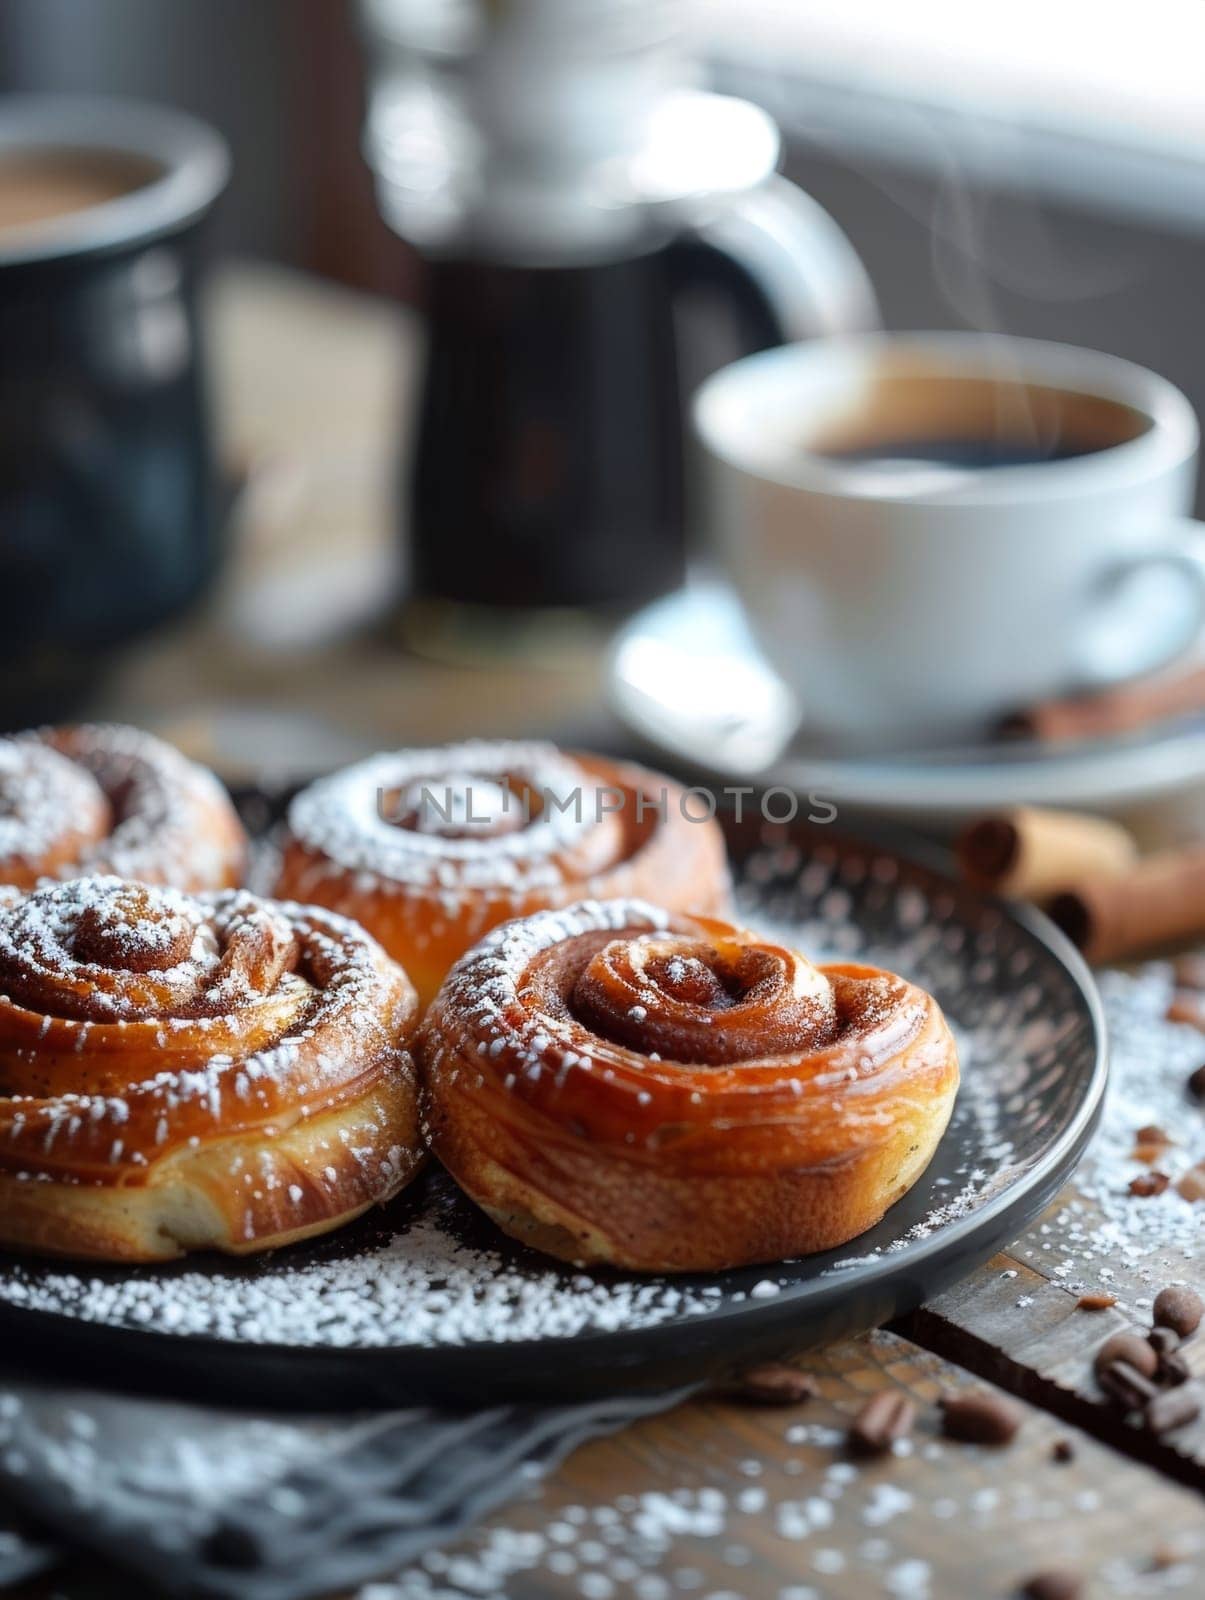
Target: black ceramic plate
(427,1301)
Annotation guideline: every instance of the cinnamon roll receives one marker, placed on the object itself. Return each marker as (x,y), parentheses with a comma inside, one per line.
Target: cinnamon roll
(429,849)
(107,799)
(181,1073)
(663,1093)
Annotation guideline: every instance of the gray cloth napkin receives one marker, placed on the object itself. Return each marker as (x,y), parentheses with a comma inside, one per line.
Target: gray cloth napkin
(241,1506)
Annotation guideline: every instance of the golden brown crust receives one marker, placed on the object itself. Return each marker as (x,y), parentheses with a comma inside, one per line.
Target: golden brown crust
(177,1073)
(675,1094)
(429,886)
(75,801)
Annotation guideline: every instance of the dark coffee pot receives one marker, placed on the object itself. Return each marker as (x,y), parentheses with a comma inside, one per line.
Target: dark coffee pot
(595,241)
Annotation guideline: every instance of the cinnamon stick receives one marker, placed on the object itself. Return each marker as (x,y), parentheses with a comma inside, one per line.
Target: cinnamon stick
(1111,711)
(1030,853)
(1160,900)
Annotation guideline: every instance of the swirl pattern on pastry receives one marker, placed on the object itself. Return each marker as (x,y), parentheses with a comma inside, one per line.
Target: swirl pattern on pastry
(615,1084)
(181,1073)
(107,799)
(429,849)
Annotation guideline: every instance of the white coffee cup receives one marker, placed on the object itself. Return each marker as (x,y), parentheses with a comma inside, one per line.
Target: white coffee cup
(906,600)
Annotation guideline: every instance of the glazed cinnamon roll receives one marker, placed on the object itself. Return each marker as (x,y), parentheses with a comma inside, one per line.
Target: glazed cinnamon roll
(177,1073)
(429,849)
(107,799)
(612,1084)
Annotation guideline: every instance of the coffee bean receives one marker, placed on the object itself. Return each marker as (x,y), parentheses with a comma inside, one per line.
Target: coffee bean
(1173,1408)
(1152,1134)
(1189,970)
(1150,1144)
(1186,1006)
(772,1384)
(1148,1154)
(1164,1556)
(1191,1184)
(1095,1302)
(1125,1384)
(1173,1370)
(1057,1584)
(1179,1309)
(1147,1184)
(1062,1451)
(884,1418)
(979,1417)
(1130,1347)
(1196,1083)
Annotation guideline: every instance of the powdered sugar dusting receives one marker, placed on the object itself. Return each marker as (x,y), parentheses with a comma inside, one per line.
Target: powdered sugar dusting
(1106,1238)
(42,794)
(165,931)
(341,817)
(484,983)
(113,799)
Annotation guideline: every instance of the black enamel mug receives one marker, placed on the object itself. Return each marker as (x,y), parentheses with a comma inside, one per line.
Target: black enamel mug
(108,489)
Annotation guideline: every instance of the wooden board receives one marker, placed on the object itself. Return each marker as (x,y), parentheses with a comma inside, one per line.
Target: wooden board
(1016,1319)
(1043,1349)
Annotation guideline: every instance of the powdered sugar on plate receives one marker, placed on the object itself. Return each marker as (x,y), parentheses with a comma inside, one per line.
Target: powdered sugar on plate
(423,1286)
(1106,1238)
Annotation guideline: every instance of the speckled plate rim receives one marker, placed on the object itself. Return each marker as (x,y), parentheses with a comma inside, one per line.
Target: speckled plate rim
(844,1301)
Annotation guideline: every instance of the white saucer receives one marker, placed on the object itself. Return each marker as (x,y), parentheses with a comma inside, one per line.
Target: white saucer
(687,677)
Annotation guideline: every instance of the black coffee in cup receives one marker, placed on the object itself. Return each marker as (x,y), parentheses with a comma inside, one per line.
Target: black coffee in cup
(919,420)
(969,455)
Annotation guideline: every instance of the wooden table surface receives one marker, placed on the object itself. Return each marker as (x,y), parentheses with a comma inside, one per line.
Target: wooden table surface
(714,1500)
